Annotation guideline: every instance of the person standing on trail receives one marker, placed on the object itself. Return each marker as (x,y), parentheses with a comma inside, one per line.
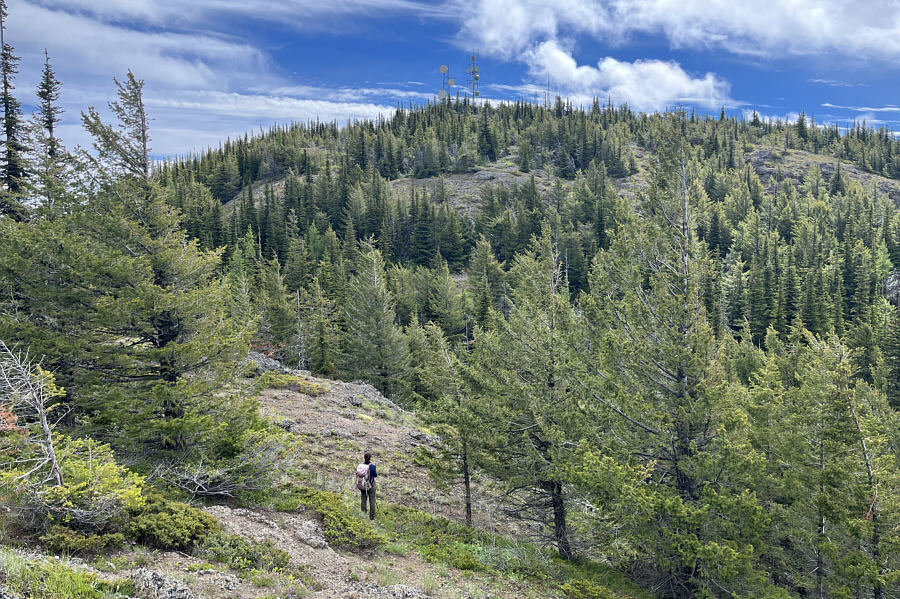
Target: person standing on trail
(365,482)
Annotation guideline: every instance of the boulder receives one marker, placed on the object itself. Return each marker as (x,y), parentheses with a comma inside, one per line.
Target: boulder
(150,584)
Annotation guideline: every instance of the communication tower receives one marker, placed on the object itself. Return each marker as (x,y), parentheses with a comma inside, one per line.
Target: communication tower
(447,82)
(473,77)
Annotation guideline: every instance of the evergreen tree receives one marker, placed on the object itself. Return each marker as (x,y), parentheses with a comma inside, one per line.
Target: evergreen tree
(374,347)
(658,373)
(522,379)
(13,171)
(51,163)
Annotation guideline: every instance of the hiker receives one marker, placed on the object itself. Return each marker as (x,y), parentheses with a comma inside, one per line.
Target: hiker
(365,482)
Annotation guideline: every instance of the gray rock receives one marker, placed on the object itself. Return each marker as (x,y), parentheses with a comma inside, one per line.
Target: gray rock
(150,584)
(397,591)
(291,426)
(266,364)
(309,533)
(891,288)
(7,594)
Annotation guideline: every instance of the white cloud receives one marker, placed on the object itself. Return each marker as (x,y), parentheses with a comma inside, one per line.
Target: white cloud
(646,85)
(201,86)
(800,27)
(299,14)
(888,108)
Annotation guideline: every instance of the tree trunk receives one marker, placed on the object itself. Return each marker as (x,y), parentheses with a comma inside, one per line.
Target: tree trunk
(820,558)
(467,483)
(560,529)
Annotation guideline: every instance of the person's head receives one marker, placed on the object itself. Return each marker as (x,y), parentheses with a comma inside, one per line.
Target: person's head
(367,458)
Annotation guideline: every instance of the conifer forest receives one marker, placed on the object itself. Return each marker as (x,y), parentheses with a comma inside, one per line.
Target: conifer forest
(650,354)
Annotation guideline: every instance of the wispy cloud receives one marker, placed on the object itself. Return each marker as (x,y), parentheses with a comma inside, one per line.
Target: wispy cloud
(888,108)
(201,84)
(835,83)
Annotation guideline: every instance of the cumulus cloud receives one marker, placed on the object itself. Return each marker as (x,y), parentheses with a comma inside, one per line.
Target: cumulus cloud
(800,27)
(646,85)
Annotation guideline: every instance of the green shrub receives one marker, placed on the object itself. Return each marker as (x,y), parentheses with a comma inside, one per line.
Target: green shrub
(169,524)
(340,523)
(95,496)
(586,589)
(240,554)
(53,579)
(276,380)
(64,540)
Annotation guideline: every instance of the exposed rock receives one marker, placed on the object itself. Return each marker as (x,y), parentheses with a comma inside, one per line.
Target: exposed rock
(891,288)
(308,532)
(342,434)
(266,364)
(291,426)
(372,591)
(150,584)
(7,594)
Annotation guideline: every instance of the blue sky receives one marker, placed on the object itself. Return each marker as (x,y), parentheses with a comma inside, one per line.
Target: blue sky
(218,68)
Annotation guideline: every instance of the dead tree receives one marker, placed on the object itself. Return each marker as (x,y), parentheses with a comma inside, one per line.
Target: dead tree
(25,391)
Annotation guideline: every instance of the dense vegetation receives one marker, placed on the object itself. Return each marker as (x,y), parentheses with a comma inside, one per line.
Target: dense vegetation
(694,378)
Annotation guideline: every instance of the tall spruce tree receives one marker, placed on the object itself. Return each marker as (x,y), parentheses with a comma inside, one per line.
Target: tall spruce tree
(658,370)
(374,348)
(522,379)
(13,171)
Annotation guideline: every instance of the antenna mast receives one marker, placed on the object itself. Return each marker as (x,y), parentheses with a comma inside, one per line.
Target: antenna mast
(473,77)
(447,82)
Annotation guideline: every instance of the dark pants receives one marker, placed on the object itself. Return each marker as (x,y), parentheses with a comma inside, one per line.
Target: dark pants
(370,494)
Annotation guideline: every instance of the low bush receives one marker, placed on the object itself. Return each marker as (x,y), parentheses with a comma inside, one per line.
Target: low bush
(169,524)
(94,497)
(586,589)
(64,540)
(241,554)
(340,522)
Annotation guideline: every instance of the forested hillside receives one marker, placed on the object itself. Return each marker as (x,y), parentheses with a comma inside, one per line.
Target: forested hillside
(657,362)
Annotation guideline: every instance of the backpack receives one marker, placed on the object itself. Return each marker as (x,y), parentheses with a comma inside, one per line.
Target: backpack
(362,477)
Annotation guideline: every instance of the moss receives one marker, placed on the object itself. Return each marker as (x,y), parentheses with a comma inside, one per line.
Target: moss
(276,380)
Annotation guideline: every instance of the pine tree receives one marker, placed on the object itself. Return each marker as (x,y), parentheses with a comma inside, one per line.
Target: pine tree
(523,381)
(13,171)
(50,164)
(446,408)
(49,111)
(658,375)
(374,348)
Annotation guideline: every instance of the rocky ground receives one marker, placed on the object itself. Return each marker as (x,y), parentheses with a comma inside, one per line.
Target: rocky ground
(774,165)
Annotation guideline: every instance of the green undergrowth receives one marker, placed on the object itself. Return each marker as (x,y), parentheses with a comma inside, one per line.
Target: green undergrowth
(298,384)
(53,579)
(446,543)
(342,525)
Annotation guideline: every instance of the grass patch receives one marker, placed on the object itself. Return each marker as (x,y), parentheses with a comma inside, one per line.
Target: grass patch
(450,545)
(53,579)
(297,384)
